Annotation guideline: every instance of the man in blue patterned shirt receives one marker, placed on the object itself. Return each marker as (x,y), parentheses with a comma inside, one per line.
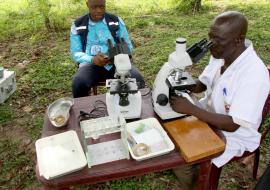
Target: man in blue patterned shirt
(89,47)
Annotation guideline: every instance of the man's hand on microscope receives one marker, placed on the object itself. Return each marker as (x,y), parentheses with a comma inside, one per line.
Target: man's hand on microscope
(100,60)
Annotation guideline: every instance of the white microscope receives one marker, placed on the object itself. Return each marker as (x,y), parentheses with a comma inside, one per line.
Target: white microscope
(123,96)
(172,80)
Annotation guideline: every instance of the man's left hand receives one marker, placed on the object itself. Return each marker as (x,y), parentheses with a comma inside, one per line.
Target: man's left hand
(100,60)
(181,105)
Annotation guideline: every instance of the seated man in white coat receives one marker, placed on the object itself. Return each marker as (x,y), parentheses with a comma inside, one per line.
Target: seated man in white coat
(236,85)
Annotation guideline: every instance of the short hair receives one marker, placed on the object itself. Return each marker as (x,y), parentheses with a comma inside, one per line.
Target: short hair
(236,21)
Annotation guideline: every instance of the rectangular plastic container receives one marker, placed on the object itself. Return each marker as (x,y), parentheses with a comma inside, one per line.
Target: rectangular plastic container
(59,154)
(153,128)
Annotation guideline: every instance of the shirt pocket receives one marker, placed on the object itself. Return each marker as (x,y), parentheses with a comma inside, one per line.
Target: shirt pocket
(227,93)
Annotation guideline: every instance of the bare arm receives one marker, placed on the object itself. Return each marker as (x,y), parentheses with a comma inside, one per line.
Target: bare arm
(220,121)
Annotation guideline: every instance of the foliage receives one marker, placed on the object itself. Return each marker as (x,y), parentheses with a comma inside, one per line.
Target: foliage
(190,5)
(14,171)
(43,7)
(35,129)
(5,113)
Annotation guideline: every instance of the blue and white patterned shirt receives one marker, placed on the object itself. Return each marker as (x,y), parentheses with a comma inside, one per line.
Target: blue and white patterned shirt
(97,41)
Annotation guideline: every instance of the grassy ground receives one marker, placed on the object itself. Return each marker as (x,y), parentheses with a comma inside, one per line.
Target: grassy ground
(44,71)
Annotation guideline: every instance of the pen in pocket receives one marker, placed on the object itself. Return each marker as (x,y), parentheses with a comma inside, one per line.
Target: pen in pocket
(224,92)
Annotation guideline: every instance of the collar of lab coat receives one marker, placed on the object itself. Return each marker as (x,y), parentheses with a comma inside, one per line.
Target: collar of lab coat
(237,63)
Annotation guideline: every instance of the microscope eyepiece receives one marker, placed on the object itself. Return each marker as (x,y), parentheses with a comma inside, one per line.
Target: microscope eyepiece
(209,44)
(181,40)
(199,49)
(118,48)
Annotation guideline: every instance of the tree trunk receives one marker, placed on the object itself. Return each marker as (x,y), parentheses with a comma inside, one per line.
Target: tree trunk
(196,5)
(47,23)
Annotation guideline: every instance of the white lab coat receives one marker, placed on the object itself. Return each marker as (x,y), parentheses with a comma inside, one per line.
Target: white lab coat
(240,92)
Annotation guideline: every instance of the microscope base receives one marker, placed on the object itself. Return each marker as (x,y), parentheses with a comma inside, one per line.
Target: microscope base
(166,112)
(132,111)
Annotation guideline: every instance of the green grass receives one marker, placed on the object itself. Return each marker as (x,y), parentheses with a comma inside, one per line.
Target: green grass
(15,172)
(34,130)
(158,181)
(5,113)
(153,26)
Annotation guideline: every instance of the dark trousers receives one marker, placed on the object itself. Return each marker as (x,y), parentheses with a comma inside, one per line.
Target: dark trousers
(187,176)
(264,181)
(89,75)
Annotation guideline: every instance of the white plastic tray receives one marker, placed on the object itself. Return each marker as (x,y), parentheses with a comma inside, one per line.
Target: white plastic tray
(157,130)
(59,154)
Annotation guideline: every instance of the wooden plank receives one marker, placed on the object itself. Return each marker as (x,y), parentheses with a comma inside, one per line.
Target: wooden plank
(194,138)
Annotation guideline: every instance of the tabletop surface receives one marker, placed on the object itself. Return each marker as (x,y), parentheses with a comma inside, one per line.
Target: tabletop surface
(117,169)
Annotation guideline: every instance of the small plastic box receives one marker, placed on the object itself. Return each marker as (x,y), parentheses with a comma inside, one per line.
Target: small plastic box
(99,147)
(7,85)
(59,154)
(153,129)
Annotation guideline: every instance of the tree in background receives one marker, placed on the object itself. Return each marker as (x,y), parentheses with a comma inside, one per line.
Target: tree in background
(190,5)
(195,4)
(53,13)
(43,7)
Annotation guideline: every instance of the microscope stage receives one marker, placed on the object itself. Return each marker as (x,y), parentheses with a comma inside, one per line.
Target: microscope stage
(182,83)
(131,111)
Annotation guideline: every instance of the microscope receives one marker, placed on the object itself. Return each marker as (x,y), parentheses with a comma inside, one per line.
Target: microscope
(173,80)
(123,96)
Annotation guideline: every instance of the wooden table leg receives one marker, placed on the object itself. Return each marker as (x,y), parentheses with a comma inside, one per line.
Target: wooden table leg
(52,188)
(204,175)
(64,188)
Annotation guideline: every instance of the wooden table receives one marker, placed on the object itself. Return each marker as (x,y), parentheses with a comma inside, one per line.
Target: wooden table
(122,168)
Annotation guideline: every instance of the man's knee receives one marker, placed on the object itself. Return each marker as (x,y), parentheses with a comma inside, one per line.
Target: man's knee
(187,176)
(79,82)
(80,86)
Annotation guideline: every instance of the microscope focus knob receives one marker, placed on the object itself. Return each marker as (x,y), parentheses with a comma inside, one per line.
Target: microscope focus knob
(162,99)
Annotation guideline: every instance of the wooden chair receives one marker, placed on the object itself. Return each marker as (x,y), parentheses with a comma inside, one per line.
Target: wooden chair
(215,172)
(95,87)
